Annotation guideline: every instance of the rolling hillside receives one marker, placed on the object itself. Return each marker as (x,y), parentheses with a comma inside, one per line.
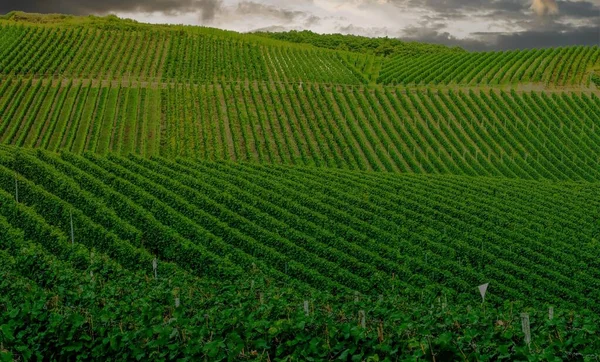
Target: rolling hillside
(336,229)
(568,66)
(94,225)
(172,192)
(484,132)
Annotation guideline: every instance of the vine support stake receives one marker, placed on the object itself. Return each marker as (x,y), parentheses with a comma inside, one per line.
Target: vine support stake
(72,229)
(155,267)
(526,328)
(306,310)
(362,318)
(551,313)
(16,189)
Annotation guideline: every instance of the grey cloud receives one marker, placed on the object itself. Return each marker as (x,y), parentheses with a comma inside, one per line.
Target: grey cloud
(272,29)
(365,31)
(462,6)
(576,23)
(208,8)
(433,35)
(544,7)
(507,41)
(562,23)
(505,8)
(543,39)
(255,8)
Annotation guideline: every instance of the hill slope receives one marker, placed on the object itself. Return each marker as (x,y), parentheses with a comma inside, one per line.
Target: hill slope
(171,192)
(339,230)
(531,135)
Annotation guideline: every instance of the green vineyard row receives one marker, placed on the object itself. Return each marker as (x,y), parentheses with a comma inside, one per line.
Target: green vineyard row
(335,230)
(163,319)
(162,56)
(530,135)
(206,56)
(567,66)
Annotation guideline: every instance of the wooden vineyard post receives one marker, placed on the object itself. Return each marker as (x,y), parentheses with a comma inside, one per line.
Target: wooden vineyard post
(551,313)
(380,331)
(526,327)
(306,310)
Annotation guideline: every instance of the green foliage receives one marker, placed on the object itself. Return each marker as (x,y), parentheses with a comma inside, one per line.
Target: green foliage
(360,44)
(300,180)
(313,228)
(530,135)
(233,324)
(567,66)
(595,79)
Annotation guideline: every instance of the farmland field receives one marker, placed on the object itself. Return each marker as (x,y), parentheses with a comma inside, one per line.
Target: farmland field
(171,192)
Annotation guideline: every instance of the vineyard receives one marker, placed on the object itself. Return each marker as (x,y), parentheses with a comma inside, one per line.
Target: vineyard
(336,229)
(568,66)
(205,55)
(529,135)
(187,193)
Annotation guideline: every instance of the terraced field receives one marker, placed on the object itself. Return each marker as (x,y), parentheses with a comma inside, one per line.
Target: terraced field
(200,56)
(332,229)
(530,135)
(185,193)
(568,66)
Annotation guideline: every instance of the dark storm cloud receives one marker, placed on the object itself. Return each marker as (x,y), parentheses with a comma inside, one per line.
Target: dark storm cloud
(509,9)
(543,39)
(557,23)
(462,7)
(507,41)
(208,8)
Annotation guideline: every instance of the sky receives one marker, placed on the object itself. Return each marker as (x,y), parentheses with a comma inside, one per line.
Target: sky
(471,24)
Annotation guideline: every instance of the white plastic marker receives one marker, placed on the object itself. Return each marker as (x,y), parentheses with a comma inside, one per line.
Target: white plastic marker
(526,327)
(482,290)
(16,189)
(72,230)
(363,319)
(155,267)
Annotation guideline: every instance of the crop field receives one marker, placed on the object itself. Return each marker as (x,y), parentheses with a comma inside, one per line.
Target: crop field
(155,56)
(187,193)
(530,135)
(568,66)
